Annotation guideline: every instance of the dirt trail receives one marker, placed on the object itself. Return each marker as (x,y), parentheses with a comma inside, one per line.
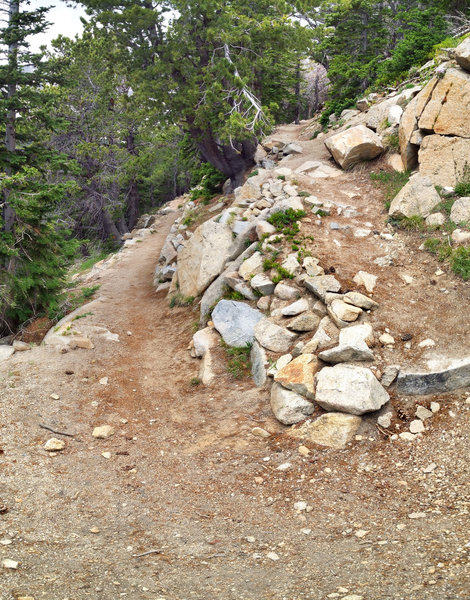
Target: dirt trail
(186,477)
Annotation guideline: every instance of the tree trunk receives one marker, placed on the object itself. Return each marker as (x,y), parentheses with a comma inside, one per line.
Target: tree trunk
(297,94)
(232,161)
(133,194)
(8,214)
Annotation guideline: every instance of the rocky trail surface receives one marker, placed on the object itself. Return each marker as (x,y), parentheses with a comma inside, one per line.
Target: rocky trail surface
(178,500)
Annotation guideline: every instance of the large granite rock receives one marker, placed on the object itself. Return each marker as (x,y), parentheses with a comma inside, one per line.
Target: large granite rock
(333,430)
(462,54)
(299,375)
(320,285)
(350,389)
(289,407)
(236,321)
(272,336)
(251,266)
(444,159)
(203,257)
(417,198)
(353,145)
(347,353)
(460,212)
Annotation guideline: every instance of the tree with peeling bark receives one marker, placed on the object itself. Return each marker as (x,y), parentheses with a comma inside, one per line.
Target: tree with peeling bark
(222,71)
(34,250)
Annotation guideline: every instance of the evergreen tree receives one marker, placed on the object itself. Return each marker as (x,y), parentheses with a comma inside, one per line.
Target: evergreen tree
(33,248)
(221,71)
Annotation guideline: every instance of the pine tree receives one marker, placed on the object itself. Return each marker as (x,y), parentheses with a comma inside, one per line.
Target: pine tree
(33,248)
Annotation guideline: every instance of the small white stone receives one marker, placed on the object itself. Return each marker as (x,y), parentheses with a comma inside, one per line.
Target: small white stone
(300,506)
(303,450)
(386,339)
(54,396)
(6,542)
(103,432)
(435,407)
(406,435)
(260,432)
(427,343)
(430,468)
(272,556)
(129,332)
(417,426)
(250,539)
(103,381)
(284,467)
(54,445)
(7,563)
(106,454)
(417,515)
(407,279)
(360,533)
(306,531)
(423,413)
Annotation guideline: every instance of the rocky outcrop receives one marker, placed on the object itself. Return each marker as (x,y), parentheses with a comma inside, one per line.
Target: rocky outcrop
(460,212)
(462,54)
(353,145)
(435,129)
(333,430)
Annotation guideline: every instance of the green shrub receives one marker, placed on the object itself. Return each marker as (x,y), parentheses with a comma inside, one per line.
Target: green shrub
(238,360)
(208,181)
(179,300)
(460,262)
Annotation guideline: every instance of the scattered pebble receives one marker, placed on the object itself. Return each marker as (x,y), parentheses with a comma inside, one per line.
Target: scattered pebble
(94,530)
(435,407)
(104,381)
(103,432)
(54,444)
(423,413)
(6,542)
(386,339)
(430,468)
(272,556)
(54,396)
(360,533)
(106,454)
(250,539)
(417,426)
(300,506)
(417,515)
(7,563)
(284,467)
(406,435)
(427,343)
(260,432)
(304,451)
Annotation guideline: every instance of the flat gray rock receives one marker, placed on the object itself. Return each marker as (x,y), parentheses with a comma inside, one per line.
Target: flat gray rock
(322,284)
(262,284)
(349,389)
(273,337)
(452,378)
(289,407)
(235,321)
(347,353)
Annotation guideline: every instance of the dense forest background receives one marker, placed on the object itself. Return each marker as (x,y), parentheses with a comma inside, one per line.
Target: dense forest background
(157,97)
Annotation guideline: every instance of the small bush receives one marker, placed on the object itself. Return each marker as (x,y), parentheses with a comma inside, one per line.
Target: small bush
(179,300)
(391,183)
(460,262)
(463,187)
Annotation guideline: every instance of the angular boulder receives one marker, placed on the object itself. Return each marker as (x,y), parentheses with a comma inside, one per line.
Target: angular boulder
(251,266)
(307,321)
(321,284)
(418,198)
(353,145)
(262,284)
(333,430)
(204,340)
(350,389)
(272,336)
(236,321)
(203,257)
(289,407)
(258,361)
(347,353)
(299,375)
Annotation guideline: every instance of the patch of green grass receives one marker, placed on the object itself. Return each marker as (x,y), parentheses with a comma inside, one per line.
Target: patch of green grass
(82,316)
(238,364)
(91,261)
(414,223)
(286,222)
(253,173)
(233,295)
(194,381)
(459,258)
(189,218)
(269,263)
(179,300)
(304,194)
(391,183)
(392,142)
(460,262)
(281,177)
